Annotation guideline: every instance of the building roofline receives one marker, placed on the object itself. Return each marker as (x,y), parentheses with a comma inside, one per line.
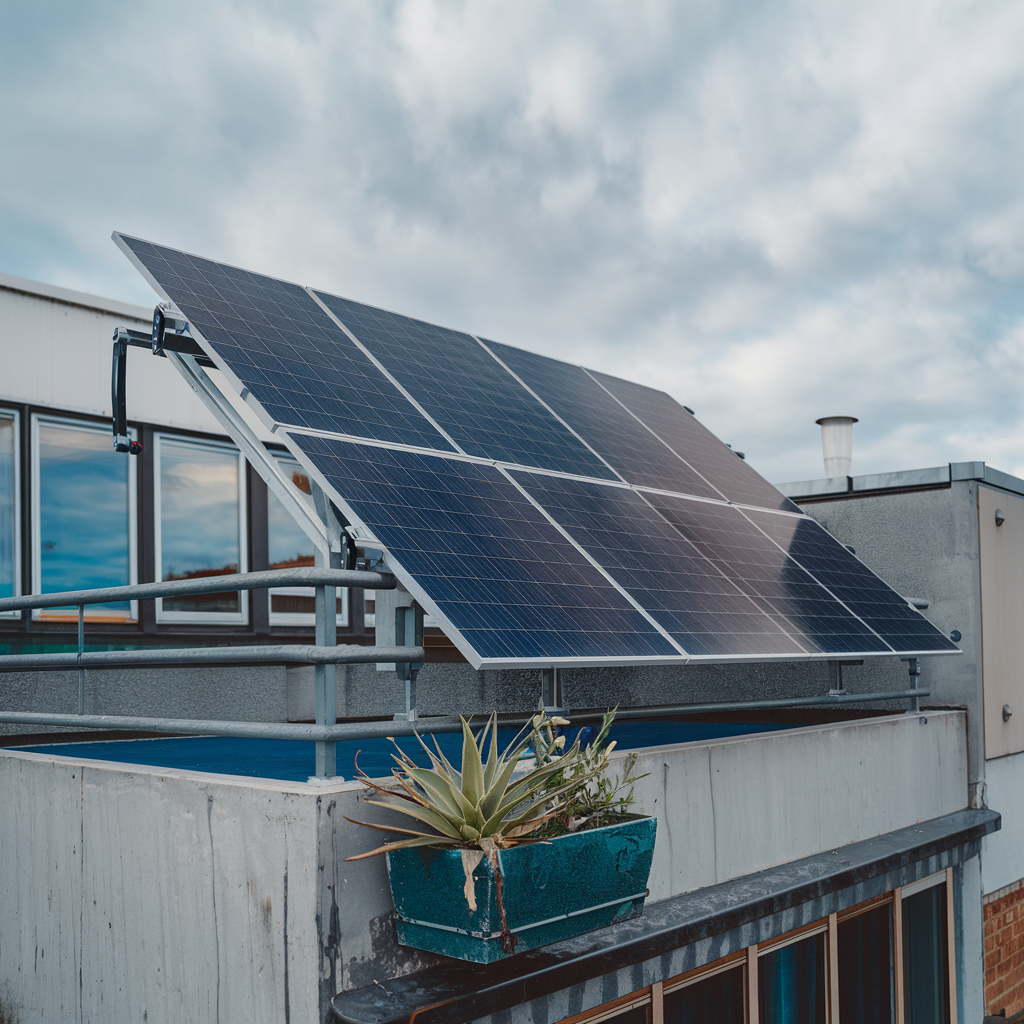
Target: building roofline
(23,285)
(909,479)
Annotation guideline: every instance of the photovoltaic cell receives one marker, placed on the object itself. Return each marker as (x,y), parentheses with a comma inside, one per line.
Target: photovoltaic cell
(511,584)
(703,610)
(696,444)
(773,580)
(467,391)
(722,581)
(628,446)
(286,350)
(853,583)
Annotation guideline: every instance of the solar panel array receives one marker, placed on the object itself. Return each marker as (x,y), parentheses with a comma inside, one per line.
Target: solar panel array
(542,513)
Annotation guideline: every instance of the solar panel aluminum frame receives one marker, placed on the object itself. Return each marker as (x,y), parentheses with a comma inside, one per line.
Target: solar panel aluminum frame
(366,537)
(243,392)
(729,659)
(234,425)
(241,389)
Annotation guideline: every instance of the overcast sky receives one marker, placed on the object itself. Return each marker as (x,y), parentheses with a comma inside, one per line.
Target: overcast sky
(774,211)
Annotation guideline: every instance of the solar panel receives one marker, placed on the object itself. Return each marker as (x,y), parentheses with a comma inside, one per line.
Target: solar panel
(489,563)
(628,446)
(467,391)
(776,583)
(275,338)
(687,437)
(904,628)
(628,534)
(700,606)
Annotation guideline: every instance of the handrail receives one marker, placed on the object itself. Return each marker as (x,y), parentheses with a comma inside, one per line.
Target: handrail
(424,726)
(206,585)
(262,654)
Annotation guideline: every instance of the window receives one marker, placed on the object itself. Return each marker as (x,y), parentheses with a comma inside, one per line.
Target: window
(866,966)
(200,525)
(288,547)
(845,969)
(10,499)
(926,988)
(720,997)
(83,515)
(791,982)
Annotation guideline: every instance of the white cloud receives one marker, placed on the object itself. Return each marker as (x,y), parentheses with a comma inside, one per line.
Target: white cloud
(773,211)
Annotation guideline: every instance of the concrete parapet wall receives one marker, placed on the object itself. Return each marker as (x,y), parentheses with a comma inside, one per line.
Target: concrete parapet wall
(131,893)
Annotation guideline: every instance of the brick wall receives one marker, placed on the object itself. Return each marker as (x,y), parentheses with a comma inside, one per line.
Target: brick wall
(1004,949)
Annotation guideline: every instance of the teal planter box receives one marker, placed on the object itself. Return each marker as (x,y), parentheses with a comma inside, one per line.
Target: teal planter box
(551,891)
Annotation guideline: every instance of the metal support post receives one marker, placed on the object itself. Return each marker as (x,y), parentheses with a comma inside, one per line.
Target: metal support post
(835,676)
(914,667)
(325,680)
(552,700)
(81,651)
(409,631)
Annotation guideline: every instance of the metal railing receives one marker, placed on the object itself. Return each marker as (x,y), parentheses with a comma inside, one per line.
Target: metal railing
(326,732)
(325,581)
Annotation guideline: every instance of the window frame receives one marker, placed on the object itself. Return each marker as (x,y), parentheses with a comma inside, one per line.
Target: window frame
(15,415)
(750,956)
(306,619)
(44,615)
(241,617)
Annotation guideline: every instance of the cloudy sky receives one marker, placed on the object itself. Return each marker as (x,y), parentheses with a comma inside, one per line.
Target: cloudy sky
(774,211)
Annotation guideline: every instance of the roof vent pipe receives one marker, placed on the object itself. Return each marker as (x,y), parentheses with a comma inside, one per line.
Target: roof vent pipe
(837,443)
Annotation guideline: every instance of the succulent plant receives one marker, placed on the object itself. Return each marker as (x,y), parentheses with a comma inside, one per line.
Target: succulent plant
(484,805)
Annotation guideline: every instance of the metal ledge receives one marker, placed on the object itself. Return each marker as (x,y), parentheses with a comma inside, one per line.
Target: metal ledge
(455,992)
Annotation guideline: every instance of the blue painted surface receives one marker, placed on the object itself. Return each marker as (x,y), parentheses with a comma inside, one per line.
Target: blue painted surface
(292,760)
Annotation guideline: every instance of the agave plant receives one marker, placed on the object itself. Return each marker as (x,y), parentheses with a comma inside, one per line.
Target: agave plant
(483,805)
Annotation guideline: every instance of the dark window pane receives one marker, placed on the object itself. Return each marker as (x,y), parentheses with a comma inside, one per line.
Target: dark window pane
(791,983)
(925,967)
(638,1015)
(199,521)
(7,509)
(715,1000)
(865,967)
(83,514)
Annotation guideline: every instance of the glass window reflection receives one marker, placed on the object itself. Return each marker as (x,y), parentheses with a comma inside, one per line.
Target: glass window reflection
(84,515)
(866,967)
(791,983)
(288,547)
(715,1000)
(200,525)
(925,960)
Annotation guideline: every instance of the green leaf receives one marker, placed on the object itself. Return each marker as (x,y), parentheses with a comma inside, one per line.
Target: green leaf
(493,760)
(493,798)
(424,814)
(401,844)
(442,792)
(472,768)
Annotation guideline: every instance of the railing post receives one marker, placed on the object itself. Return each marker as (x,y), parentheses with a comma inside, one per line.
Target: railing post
(325,679)
(81,668)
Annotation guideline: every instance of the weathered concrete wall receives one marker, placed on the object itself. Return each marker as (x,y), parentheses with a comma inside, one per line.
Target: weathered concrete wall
(447,688)
(732,807)
(924,544)
(127,891)
(252,693)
